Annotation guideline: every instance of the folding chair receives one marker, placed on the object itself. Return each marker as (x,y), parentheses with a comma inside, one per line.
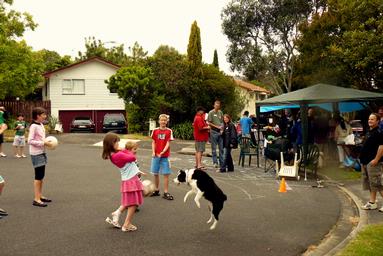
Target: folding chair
(247,148)
(312,159)
(272,152)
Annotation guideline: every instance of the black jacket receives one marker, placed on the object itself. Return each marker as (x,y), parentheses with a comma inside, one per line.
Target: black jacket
(229,136)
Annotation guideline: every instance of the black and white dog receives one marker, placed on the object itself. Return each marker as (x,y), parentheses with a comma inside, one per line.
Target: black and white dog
(203,185)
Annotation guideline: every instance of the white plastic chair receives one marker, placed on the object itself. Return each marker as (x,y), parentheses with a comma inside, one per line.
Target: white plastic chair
(286,170)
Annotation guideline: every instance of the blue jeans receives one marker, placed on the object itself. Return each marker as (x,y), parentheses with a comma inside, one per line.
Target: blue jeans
(227,161)
(216,139)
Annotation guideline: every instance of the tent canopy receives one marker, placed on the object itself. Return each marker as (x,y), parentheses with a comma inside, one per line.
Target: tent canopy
(321,93)
(343,107)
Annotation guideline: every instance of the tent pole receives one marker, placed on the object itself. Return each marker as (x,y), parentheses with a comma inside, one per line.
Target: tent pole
(304,123)
(257,115)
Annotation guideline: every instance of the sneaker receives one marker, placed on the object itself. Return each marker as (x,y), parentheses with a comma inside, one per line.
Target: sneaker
(2,154)
(381,209)
(3,212)
(17,156)
(23,156)
(369,206)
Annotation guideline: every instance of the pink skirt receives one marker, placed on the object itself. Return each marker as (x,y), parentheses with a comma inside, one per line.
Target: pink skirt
(131,192)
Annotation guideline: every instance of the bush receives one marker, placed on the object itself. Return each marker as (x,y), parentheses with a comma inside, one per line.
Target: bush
(183,131)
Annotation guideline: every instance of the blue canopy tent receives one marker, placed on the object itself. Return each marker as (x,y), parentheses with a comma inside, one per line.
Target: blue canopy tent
(328,95)
(343,107)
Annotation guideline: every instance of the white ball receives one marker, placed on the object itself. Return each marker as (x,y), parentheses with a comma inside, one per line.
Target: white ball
(149,187)
(53,141)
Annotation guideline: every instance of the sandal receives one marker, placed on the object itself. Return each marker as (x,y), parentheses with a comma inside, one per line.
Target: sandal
(167,196)
(131,227)
(111,222)
(155,193)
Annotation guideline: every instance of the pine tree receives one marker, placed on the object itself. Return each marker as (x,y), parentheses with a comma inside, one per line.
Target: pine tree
(215,59)
(195,50)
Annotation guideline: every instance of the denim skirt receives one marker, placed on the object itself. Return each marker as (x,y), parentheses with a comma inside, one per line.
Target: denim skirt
(39,160)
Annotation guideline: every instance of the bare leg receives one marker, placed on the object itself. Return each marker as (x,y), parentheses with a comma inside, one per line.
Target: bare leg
(38,187)
(372,196)
(129,216)
(21,151)
(2,187)
(157,181)
(166,183)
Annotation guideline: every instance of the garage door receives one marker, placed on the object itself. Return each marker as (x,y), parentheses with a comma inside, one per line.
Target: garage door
(66,117)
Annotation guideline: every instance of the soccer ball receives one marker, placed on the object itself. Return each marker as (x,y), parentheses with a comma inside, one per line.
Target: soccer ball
(54,142)
(149,187)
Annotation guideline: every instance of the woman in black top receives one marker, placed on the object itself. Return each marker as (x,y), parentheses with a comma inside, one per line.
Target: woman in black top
(229,136)
(371,160)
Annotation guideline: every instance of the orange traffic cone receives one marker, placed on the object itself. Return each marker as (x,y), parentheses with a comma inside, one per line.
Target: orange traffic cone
(282,186)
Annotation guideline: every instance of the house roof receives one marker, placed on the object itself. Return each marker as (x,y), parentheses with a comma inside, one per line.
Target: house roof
(92,59)
(250,87)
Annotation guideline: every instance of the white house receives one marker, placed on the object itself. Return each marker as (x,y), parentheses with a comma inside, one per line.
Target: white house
(80,90)
(251,93)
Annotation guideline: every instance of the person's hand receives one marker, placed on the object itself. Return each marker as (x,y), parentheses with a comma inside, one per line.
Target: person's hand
(153,154)
(374,162)
(48,143)
(143,173)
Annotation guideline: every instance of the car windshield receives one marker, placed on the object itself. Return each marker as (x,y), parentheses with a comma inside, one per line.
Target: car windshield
(113,118)
(82,121)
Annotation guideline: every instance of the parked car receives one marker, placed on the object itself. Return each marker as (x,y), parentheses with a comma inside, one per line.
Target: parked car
(114,122)
(81,124)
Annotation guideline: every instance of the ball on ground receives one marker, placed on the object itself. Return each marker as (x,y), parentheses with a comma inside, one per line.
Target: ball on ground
(53,142)
(149,187)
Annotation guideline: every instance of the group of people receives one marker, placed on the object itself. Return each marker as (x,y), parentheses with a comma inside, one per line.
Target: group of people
(219,129)
(37,143)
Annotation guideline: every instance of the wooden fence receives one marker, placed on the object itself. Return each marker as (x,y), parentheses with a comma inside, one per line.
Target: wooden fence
(25,107)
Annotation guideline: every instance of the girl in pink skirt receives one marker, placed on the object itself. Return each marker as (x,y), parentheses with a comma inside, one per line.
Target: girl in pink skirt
(131,186)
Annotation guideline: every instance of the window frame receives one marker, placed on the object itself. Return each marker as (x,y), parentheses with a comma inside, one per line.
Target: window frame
(68,89)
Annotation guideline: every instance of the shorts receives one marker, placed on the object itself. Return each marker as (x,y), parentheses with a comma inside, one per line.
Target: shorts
(372,177)
(160,165)
(19,141)
(39,160)
(200,146)
(1,138)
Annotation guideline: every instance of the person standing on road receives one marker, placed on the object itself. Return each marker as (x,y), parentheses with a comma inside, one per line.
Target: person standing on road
(201,136)
(161,138)
(3,127)
(2,184)
(19,140)
(371,159)
(230,141)
(246,124)
(131,186)
(37,143)
(215,120)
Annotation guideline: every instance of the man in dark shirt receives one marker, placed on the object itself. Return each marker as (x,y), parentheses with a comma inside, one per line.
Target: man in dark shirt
(371,159)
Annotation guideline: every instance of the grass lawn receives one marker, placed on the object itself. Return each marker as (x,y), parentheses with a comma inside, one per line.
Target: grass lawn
(335,173)
(368,242)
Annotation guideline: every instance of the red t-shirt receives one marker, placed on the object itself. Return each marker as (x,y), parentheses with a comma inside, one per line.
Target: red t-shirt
(199,123)
(161,137)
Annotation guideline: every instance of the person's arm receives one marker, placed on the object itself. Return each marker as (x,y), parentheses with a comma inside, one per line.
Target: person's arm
(378,155)
(32,135)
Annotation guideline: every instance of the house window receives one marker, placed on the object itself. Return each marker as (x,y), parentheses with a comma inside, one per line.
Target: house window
(73,86)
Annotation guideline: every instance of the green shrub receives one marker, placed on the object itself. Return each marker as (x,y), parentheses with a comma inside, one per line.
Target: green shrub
(183,131)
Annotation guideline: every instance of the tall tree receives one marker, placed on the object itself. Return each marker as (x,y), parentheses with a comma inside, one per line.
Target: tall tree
(262,34)
(194,50)
(344,44)
(215,59)
(52,60)
(20,68)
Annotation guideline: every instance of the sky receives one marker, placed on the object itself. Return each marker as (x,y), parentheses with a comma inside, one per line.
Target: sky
(63,25)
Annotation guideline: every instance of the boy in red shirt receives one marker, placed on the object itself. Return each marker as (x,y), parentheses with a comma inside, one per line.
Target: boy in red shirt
(201,135)
(161,138)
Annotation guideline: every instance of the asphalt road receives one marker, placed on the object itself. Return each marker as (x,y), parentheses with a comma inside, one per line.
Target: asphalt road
(256,219)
